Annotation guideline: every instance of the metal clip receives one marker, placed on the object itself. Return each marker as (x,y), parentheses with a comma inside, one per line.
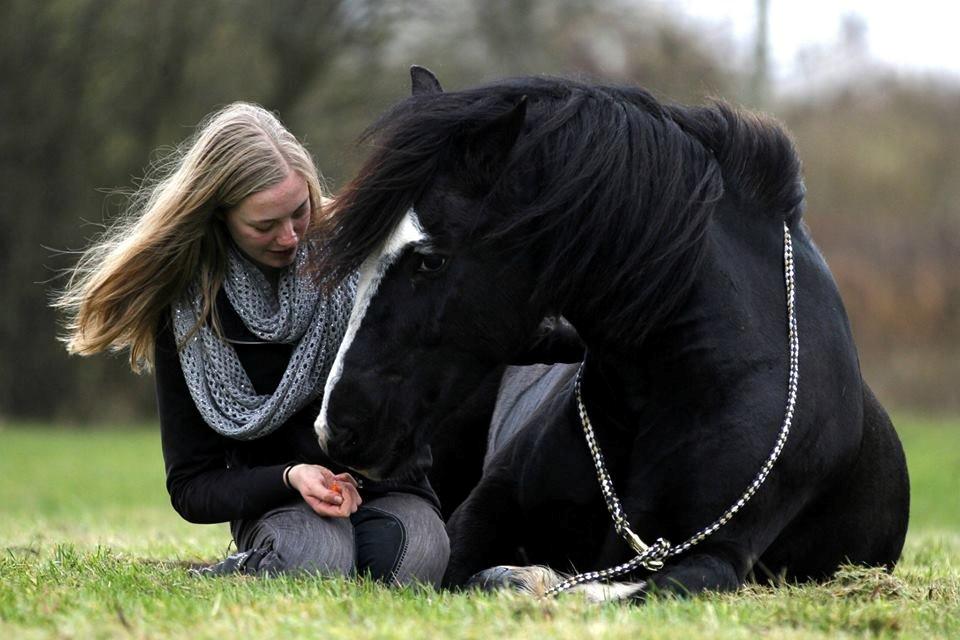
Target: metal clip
(634,541)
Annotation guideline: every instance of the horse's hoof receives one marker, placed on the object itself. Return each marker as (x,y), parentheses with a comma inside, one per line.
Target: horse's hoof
(535,580)
(499,577)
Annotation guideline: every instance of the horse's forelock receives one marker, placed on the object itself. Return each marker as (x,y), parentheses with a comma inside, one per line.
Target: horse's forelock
(370,206)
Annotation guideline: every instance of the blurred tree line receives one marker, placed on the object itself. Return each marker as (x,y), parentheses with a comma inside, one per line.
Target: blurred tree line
(882,168)
(95,90)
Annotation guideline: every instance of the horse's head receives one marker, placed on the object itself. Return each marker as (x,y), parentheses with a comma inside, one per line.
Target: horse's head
(435,311)
(484,210)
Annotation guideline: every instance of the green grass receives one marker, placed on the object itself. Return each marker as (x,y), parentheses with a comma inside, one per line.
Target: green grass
(92,548)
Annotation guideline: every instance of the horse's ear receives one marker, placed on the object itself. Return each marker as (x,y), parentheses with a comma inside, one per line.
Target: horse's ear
(423,82)
(488,147)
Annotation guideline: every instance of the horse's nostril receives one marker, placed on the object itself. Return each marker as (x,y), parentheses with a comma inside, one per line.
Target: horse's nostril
(345,437)
(341,435)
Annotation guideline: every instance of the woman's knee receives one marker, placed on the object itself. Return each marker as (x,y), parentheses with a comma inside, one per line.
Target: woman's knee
(294,539)
(428,551)
(402,540)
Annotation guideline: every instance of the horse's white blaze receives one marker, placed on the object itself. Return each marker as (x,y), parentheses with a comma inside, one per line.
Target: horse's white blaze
(407,232)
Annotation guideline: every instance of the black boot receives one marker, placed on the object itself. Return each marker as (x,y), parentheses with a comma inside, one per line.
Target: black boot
(244,562)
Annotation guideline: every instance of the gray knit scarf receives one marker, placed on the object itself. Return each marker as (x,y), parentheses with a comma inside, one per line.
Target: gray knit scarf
(296,312)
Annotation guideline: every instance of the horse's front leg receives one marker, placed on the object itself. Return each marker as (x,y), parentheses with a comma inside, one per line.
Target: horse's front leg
(689,576)
(483,530)
(693,574)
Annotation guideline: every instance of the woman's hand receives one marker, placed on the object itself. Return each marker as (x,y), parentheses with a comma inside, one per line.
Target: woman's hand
(326,493)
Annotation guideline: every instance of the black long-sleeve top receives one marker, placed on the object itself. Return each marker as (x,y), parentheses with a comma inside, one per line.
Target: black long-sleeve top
(213,478)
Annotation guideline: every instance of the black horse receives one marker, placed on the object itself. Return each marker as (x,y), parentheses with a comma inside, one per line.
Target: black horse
(658,231)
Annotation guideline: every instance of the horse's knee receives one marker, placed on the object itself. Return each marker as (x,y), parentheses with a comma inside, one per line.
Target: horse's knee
(702,572)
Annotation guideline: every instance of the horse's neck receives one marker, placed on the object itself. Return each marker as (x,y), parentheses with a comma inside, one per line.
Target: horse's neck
(613,389)
(708,339)
(672,370)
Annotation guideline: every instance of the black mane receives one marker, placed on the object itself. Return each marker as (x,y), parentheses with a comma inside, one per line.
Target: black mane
(624,186)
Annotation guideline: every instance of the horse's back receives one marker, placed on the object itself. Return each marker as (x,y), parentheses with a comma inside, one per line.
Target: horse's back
(523,391)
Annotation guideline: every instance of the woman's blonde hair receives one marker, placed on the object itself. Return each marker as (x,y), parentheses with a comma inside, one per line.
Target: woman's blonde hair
(172,232)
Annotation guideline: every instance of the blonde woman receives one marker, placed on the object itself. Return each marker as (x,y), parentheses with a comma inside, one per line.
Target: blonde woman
(204,281)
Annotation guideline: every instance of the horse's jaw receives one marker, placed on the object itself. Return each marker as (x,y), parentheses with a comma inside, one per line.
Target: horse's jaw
(407,231)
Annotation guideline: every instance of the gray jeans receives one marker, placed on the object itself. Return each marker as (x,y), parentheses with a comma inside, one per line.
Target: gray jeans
(397,538)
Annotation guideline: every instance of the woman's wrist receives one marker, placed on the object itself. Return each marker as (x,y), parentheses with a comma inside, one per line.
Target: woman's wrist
(286,476)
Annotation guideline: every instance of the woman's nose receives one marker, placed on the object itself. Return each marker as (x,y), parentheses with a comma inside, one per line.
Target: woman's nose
(288,235)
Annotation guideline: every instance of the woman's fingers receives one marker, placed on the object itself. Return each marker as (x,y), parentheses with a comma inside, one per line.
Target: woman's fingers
(321,507)
(345,486)
(326,473)
(347,478)
(324,508)
(328,494)
(350,492)
(317,489)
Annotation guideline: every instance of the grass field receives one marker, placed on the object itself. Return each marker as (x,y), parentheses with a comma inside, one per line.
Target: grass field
(91,548)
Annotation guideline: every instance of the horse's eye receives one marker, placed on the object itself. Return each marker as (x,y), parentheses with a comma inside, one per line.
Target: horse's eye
(431,263)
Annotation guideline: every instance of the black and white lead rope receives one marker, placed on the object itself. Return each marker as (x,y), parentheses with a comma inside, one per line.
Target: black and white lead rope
(652,556)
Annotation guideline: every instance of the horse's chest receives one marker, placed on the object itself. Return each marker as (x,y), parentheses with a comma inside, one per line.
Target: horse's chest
(562,506)
(558,490)
(559,472)
(555,468)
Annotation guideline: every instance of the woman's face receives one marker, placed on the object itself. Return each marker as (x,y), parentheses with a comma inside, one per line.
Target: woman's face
(269,225)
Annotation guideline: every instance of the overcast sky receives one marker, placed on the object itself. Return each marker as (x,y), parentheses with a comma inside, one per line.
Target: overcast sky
(918,35)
